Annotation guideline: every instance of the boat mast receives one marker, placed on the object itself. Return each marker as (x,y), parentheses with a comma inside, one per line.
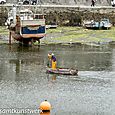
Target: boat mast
(14,14)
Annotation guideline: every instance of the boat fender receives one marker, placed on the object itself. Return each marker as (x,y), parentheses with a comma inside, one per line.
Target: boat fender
(45,106)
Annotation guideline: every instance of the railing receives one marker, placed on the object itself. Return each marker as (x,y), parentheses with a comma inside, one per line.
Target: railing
(34,22)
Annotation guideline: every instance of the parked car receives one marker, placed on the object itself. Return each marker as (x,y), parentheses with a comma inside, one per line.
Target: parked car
(113,3)
(33,2)
(2,1)
(20,2)
(26,2)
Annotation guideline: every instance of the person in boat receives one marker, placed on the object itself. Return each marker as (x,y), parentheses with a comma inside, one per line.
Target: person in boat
(52,60)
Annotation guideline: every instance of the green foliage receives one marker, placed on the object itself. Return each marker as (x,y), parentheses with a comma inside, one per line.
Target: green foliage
(79,34)
(74,34)
(3,30)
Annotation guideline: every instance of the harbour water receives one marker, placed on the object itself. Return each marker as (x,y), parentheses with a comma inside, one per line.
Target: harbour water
(25,84)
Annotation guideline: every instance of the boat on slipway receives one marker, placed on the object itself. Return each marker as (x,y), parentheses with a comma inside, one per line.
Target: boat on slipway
(25,26)
(102,24)
(62,71)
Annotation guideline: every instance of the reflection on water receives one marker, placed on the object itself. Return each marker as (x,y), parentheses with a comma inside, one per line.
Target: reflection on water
(25,84)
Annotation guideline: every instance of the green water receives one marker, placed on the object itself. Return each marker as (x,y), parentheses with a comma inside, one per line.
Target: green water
(25,84)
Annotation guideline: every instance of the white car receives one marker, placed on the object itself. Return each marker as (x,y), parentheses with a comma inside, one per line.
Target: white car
(113,3)
(2,1)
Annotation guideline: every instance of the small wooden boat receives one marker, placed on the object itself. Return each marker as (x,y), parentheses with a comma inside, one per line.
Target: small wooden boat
(63,71)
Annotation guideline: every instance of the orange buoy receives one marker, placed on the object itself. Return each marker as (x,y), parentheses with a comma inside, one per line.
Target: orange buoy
(45,106)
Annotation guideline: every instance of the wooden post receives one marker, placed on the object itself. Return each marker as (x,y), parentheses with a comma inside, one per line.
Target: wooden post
(10,37)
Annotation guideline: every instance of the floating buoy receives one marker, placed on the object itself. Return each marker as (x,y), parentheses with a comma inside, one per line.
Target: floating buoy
(45,106)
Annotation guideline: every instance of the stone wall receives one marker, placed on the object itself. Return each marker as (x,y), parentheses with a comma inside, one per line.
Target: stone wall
(3,15)
(76,18)
(67,16)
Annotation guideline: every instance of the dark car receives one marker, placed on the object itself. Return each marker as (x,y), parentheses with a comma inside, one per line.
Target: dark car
(2,1)
(26,2)
(33,2)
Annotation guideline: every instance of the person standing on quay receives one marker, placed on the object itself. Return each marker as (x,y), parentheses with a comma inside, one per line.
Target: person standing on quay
(92,2)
